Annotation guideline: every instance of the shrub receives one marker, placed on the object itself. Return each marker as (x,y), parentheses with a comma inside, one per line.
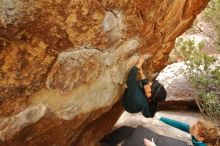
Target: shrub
(204,72)
(212,14)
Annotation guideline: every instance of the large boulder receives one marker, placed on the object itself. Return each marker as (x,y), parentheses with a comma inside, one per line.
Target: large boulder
(63,63)
(180,92)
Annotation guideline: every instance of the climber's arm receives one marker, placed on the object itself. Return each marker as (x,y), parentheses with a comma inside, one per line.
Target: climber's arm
(132,77)
(179,125)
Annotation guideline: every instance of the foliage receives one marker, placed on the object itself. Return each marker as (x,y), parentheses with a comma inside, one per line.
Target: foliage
(204,72)
(212,14)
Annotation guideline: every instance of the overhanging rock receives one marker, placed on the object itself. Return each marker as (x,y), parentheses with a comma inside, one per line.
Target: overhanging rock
(63,63)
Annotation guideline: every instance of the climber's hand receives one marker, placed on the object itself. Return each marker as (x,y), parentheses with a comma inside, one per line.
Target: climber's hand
(148,142)
(140,62)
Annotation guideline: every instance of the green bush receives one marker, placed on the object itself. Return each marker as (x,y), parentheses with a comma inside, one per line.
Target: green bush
(212,14)
(204,72)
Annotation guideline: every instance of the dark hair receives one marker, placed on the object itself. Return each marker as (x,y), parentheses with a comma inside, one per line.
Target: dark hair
(159,93)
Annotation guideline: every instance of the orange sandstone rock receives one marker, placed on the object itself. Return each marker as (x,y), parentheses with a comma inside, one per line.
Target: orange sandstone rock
(63,63)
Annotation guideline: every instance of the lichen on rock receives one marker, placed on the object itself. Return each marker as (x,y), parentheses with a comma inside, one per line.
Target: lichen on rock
(75,68)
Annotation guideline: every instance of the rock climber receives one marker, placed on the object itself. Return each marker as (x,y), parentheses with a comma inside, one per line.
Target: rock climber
(142,97)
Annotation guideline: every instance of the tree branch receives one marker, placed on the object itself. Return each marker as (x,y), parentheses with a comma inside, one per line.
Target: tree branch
(206,34)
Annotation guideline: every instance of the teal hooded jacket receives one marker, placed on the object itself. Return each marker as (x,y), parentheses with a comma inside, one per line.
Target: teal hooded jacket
(182,126)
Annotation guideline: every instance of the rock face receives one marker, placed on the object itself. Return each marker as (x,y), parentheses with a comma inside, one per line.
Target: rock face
(63,63)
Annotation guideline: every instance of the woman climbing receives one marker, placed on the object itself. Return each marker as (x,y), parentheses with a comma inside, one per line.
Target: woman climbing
(142,98)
